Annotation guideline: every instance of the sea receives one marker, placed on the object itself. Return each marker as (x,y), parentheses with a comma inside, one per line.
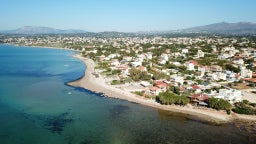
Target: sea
(38,107)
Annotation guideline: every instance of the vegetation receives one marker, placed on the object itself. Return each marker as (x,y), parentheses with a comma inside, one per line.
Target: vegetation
(158,75)
(169,98)
(232,68)
(140,93)
(137,75)
(116,82)
(219,104)
(245,107)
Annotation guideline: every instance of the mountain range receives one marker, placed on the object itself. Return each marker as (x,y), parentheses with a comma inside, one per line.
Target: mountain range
(241,28)
(41,30)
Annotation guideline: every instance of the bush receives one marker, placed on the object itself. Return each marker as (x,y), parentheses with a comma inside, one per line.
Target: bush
(219,104)
(253,104)
(168,98)
(228,111)
(115,82)
(140,93)
(247,111)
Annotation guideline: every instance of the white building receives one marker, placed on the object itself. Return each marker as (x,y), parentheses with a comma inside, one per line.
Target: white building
(164,57)
(136,63)
(230,95)
(176,80)
(184,51)
(200,53)
(246,73)
(149,55)
(238,61)
(190,66)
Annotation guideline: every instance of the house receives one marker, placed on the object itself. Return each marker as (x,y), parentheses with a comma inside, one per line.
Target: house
(145,84)
(111,56)
(163,86)
(127,58)
(176,80)
(125,70)
(164,57)
(230,94)
(238,61)
(231,76)
(100,58)
(115,62)
(149,55)
(222,76)
(200,53)
(216,68)
(246,73)
(141,68)
(195,88)
(199,99)
(155,90)
(136,63)
(184,51)
(191,65)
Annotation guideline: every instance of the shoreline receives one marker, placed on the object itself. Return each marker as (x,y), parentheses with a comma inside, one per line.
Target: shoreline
(90,82)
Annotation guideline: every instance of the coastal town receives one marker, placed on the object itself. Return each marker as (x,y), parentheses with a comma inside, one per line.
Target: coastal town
(211,73)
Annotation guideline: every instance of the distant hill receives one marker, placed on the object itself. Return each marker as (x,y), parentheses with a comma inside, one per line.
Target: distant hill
(41,30)
(240,28)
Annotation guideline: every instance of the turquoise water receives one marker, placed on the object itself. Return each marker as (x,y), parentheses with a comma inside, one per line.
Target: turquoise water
(37,107)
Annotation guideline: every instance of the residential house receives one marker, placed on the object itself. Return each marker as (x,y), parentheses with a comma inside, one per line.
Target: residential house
(238,61)
(190,66)
(141,68)
(115,62)
(216,68)
(184,51)
(230,94)
(200,53)
(155,90)
(246,73)
(195,88)
(176,80)
(136,63)
(199,99)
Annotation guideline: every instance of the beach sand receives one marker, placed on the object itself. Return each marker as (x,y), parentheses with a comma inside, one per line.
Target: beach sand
(98,85)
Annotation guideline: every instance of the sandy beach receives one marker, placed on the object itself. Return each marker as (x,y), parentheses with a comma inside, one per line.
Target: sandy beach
(98,85)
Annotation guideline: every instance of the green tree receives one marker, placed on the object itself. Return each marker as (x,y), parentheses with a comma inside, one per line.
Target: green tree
(169,98)
(219,104)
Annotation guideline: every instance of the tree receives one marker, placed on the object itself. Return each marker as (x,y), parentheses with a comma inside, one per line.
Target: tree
(169,98)
(219,104)
(137,75)
(232,68)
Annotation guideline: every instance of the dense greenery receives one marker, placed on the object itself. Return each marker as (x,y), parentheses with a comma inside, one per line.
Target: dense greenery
(232,68)
(158,75)
(169,98)
(137,75)
(219,104)
(245,107)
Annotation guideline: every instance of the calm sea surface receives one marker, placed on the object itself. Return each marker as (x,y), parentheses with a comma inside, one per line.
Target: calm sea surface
(37,107)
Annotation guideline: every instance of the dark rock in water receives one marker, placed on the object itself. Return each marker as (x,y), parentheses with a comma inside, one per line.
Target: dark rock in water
(57,123)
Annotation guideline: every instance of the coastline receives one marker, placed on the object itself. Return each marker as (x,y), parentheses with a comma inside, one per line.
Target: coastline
(98,85)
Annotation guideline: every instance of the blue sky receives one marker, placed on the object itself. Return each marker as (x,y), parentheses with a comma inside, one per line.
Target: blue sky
(123,15)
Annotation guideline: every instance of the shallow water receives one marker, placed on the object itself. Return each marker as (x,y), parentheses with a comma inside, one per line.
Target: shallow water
(36,106)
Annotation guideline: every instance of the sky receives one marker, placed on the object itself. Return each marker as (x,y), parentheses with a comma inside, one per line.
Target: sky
(123,15)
